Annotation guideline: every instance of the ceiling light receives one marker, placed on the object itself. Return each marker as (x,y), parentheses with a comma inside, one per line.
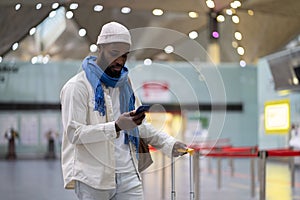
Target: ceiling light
(34,60)
(238,35)
(241,51)
(69,14)
(73,6)
(15,46)
(18,6)
(82,32)
(238,3)
(98,8)
(169,49)
(39,59)
(52,14)
(230,11)
(193,15)
(93,48)
(250,12)
(215,34)
(243,63)
(220,18)
(38,6)
(148,61)
(125,10)
(55,5)
(45,59)
(232,5)
(295,81)
(235,19)
(235,4)
(210,3)
(193,35)
(234,44)
(157,12)
(32,31)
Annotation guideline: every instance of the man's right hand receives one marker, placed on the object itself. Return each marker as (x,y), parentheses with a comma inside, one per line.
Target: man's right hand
(129,120)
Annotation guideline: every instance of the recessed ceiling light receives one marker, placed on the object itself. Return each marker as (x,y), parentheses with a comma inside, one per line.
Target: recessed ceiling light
(45,59)
(243,63)
(52,14)
(169,49)
(34,60)
(234,44)
(250,12)
(210,3)
(55,5)
(193,35)
(235,4)
(98,8)
(235,19)
(93,48)
(15,46)
(229,12)
(193,14)
(238,35)
(241,51)
(69,14)
(82,32)
(38,6)
(17,6)
(147,61)
(125,10)
(73,6)
(220,18)
(32,31)
(157,12)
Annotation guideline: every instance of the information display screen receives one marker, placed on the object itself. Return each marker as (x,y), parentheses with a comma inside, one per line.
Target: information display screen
(277,116)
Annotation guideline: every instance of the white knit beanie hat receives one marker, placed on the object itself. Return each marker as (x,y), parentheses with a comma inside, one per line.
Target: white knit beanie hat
(114,32)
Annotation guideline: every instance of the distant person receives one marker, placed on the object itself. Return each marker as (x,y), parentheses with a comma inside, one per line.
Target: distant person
(50,136)
(101,131)
(11,135)
(295,137)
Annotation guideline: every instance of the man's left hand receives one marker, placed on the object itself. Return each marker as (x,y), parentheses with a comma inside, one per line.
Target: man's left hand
(179,149)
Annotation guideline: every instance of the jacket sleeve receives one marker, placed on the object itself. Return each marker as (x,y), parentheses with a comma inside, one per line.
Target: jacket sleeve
(74,102)
(156,138)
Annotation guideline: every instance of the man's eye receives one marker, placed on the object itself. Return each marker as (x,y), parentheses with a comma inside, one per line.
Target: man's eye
(114,54)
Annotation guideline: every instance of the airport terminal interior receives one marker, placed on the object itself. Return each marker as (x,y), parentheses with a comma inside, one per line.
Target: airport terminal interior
(222,76)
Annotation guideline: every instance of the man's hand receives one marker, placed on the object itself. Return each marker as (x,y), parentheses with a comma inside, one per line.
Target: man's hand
(179,149)
(129,120)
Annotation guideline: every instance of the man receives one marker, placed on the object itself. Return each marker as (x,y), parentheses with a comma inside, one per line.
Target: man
(102,132)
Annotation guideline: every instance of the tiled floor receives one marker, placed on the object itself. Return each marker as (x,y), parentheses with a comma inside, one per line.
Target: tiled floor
(42,180)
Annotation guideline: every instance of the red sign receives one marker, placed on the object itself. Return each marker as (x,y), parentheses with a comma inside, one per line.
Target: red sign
(156,91)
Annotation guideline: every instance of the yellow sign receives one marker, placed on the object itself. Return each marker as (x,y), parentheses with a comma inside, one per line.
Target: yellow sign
(277,116)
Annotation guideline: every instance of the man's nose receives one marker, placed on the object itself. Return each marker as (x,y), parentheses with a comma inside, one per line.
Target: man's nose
(120,60)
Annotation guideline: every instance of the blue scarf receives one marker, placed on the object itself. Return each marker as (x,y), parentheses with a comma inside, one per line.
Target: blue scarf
(96,76)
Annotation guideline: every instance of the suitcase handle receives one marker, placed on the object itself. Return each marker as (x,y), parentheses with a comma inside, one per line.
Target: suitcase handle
(191,173)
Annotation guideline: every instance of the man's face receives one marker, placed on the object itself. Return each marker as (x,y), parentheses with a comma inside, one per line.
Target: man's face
(113,57)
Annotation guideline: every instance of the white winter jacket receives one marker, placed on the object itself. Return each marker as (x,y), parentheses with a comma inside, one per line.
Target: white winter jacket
(88,138)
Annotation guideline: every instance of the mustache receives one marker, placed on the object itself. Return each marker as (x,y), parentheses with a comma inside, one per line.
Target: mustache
(116,65)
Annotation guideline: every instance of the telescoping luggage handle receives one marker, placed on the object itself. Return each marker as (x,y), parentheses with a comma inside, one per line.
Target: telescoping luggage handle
(173,192)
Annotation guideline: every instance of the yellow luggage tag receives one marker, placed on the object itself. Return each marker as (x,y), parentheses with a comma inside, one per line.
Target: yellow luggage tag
(187,150)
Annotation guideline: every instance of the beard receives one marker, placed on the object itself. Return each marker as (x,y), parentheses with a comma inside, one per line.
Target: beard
(112,70)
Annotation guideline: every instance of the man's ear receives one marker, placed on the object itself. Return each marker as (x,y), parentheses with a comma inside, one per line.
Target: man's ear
(100,48)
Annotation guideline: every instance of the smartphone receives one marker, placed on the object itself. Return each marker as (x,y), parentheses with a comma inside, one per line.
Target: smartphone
(143,108)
